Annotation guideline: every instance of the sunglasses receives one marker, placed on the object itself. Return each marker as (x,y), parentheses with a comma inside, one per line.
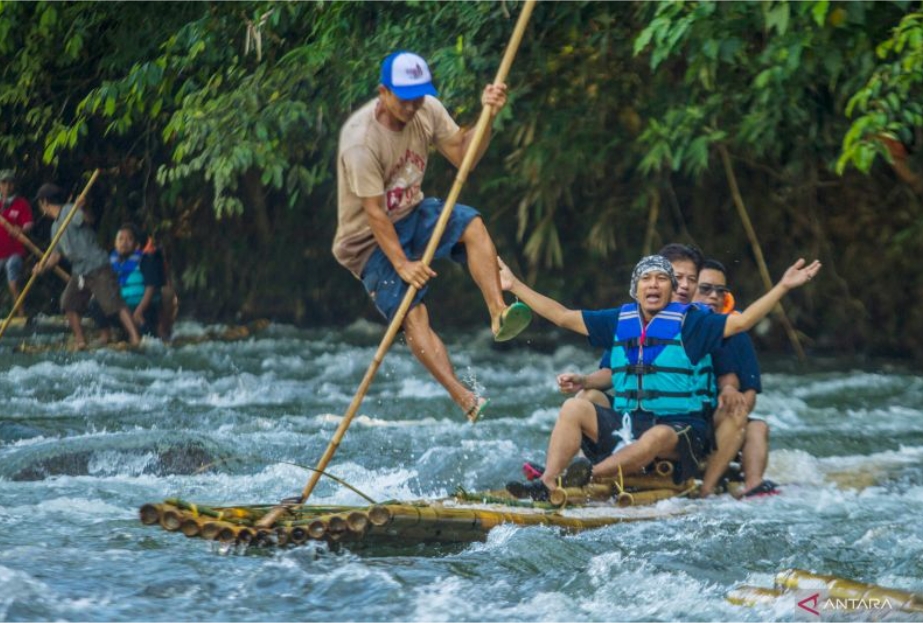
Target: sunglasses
(706,288)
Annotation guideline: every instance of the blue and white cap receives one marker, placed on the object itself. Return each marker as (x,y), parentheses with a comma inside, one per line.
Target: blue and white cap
(651,264)
(407,75)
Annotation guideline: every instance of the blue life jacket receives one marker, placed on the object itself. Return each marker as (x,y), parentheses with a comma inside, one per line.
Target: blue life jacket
(131,281)
(664,381)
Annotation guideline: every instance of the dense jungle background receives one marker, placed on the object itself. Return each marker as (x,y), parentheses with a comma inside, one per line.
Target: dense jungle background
(630,124)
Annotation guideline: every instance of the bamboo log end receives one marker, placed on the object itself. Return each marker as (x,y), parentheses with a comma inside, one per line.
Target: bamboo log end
(298,535)
(663,468)
(150,514)
(171,519)
(191,527)
(558,497)
(337,526)
(357,521)
(316,529)
(380,515)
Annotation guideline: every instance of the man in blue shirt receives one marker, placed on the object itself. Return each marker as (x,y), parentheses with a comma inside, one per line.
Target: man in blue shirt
(738,383)
(652,421)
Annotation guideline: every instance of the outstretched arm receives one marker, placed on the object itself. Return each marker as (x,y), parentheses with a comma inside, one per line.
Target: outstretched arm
(797,275)
(542,305)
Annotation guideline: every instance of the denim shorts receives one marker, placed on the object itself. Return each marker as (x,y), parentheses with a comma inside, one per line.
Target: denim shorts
(13,266)
(414,231)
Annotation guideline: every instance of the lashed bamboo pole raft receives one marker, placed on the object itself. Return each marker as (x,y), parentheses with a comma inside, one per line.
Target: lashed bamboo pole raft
(842,593)
(464,518)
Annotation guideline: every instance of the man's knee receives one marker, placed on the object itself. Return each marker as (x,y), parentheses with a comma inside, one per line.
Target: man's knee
(416,319)
(578,411)
(758,429)
(595,396)
(737,417)
(660,440)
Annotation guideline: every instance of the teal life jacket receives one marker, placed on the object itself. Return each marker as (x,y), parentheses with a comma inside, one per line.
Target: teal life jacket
(654,373)
(131,281)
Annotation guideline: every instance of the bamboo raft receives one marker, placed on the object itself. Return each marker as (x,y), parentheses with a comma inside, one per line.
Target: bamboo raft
(840,594)
(463,518)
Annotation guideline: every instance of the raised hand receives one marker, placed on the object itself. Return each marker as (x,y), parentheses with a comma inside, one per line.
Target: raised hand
(799,274)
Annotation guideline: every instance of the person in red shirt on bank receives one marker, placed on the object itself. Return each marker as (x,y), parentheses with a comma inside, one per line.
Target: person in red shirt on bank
(17,213)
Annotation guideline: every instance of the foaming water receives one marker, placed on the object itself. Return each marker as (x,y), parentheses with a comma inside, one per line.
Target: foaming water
(86,438)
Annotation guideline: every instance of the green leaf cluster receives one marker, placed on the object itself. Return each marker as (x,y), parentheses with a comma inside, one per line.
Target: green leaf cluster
(217,127)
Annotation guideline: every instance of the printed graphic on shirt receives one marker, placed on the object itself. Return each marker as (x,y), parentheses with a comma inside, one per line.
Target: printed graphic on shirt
(403,189)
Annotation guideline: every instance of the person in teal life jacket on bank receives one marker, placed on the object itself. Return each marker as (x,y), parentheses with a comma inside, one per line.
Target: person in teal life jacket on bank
(385,222)
(656,344)
(140,280)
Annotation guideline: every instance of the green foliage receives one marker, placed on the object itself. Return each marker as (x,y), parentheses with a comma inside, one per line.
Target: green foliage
(217,126)
(889,104)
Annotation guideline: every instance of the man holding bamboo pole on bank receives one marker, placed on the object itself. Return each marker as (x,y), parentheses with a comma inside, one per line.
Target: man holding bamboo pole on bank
(385,222)
(92,273)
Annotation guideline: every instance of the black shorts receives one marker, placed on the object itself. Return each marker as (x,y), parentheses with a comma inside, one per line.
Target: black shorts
(693,435)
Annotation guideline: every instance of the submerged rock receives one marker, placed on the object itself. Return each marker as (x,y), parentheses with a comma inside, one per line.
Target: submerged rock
(107,455)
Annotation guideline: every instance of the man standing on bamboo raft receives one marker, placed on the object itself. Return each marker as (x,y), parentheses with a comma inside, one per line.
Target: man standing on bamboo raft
(385,222)
(656,345)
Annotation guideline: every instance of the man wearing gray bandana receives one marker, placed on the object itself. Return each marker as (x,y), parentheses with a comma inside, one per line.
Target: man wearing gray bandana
(656,413)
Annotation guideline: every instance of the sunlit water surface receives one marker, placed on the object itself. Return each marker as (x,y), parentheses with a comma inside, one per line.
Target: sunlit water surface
(85,439)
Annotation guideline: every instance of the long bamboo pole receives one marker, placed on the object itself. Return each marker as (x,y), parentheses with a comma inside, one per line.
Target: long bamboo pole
(50,249)
(37,252)
(757,249)
(480,131)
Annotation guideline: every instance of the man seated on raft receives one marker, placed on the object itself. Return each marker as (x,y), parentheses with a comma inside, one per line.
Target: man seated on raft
(735,430)
(596,387)
(704,282)
(666,421)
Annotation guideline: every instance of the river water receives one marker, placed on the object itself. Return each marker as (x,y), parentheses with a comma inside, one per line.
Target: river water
(86,439)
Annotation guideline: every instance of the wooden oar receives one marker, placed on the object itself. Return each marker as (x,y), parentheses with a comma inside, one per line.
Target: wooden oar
(50,250)
(467,163)
(24,239)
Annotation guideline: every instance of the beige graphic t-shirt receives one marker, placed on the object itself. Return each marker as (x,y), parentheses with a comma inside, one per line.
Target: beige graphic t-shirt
(373,160)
